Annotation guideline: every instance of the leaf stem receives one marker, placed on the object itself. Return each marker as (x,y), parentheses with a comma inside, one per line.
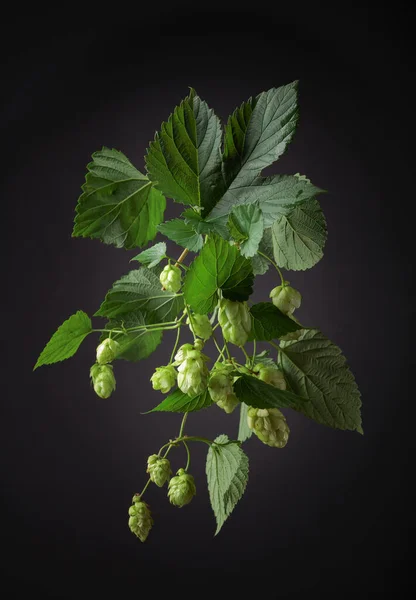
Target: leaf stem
(182,257)
(188,462)
(274,264)
(178,335)
(145,487)
(254,353)
(248,358)
(221,352)
(185,416)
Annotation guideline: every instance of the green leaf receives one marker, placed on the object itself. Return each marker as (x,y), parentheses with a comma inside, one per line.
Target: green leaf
(227,475)
(134,345)
(264,359)
(259,262)
(184,160)
(255,392)
(244,431)
(183,234)
(246,227)
(152,256)
(198,224)
(299,237)
(66,340)
(140,291)
(270,323)
(119,205)
(180,402)
(315,368)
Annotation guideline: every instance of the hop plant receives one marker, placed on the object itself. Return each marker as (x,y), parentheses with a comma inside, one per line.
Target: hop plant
(159,469)
(235,321)
(286,298)
(181,488)
(271,375)
(107,351)
(171,278)
(103,380)
(269,425)
(164,378)
(200,326)
(140,519)
(221,387)
(192,370)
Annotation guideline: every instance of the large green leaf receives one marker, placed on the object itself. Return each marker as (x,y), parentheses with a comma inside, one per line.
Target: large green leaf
(227,476)
(184,160)
(177,401)
(182,233)
(315,368)
(140,291)
(299,237)
(246,227)
(244,431)
(152,256)
(254,392)
(134,345)
(218,266)
(119,205)
(268,322)
(66,340)
(259,262)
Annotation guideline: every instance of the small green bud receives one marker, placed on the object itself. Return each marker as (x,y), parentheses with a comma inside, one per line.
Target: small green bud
(158,469)
(181,488)
(235,321)
(164,378)
(140,519)
(271,375)
(103,380)
(286,298)
(269,425)
(170,278)
(107,351)
(200,326)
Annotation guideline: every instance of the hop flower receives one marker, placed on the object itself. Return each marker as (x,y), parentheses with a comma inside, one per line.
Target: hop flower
(235,321)
(170,278)
(269,425)
(181,488)
(107,351)
(193,373)
(103,380)
(229,403)
(220,388)
(182,353)
(271,375)
(286,298)
(200,326)
(164,378)
(158,469)
(140,519)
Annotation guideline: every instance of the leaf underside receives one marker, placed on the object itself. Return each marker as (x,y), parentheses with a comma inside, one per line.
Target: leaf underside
(255,392)
(177,401)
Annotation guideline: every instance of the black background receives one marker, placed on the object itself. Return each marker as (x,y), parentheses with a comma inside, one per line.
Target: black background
(329,514)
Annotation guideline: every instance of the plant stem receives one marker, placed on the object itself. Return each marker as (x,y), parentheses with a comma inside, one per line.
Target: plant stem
(188,462)
(178,335)
(254,353)
(248,359)
(185,416)
(145,488)
(182,257)
(274,264)
(221,352)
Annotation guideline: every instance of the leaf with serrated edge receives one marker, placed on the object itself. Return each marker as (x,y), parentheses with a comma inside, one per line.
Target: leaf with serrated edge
(66,340)
(134,345)
(218,266)
(314,367)
(268,322)
(227,476)
(177,401)
(255,392)
(246,227)
(152,256)
(182,234)
(244,431)
(119,205)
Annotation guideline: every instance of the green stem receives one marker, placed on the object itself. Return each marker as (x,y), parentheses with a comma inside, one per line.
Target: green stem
(145,487)
(248,359)
(185,416)
(274,264)
(221,352)
(178,335)
(188,462)
(176,263)
(254,353)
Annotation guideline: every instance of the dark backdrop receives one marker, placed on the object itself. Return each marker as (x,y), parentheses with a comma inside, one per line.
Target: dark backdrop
(331,512)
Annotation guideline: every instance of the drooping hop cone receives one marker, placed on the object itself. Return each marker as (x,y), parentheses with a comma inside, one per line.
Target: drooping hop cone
(159,469)
(270,426)
(107,351)
(200,326)
(103,380)
(286,298)
(235,321)
(193,373)
(220,387)
(140,519)
(164,378)
(271,375)
(181,488)
(170,278)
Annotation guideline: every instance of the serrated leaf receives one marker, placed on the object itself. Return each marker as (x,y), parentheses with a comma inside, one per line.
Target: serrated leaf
(180,402)
(140,291)
(184,160)
(244,431)
(152,256)
(198,224)
(134,345)
(299,237)
(119,205)
(260,263)
(264,359)
(218,266)
(268,322)
(66,340)
(314,367)
(182,233)
(227,476)
(255,392)
(246,227)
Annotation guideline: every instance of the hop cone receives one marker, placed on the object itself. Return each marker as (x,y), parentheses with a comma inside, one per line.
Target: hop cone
(271,375)
(270,426)
(158,469)
(235,321)
(164,378)
(193,373)
(140,519)
(181,488)
(170,278)
(182,353)
(107,351)
(103,380)
(220,388)
(286,298)
(229,403)
(200,326)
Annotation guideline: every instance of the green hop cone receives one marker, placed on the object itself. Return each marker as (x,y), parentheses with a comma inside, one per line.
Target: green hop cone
(200,326)
(181,488)
(140,519)
(170,278)
(271,375)
(164,378)
(220,387)
(103,380)
(286,298)
(158,469)
(269,425)
(182,353)
(229,403)
(235,321)
(193,373)
(107,351)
